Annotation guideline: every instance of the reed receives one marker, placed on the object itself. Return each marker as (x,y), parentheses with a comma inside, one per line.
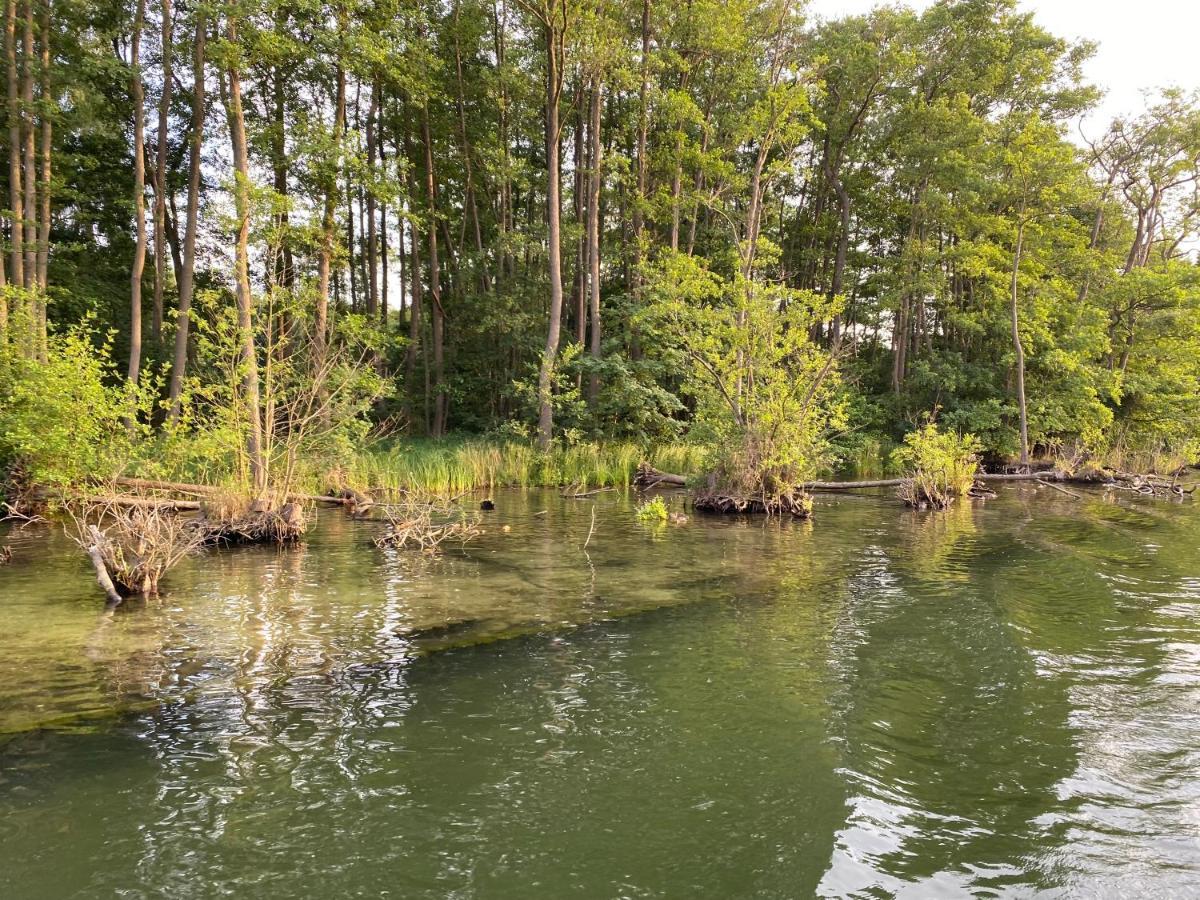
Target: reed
(449,467)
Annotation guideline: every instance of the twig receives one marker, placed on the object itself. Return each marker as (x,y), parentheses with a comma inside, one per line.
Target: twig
(591,530)
(1060,489)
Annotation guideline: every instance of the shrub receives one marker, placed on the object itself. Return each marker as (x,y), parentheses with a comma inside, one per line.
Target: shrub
(65,419)
(653,510)
(938,466)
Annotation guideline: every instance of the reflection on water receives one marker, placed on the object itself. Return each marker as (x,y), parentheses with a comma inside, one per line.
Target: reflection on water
(997,700)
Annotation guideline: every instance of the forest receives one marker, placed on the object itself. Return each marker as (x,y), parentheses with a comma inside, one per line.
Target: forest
(304,246)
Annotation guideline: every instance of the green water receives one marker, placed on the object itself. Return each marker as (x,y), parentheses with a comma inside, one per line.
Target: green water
(1002,700)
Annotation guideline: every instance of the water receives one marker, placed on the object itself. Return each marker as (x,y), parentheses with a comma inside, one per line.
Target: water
(1002,700)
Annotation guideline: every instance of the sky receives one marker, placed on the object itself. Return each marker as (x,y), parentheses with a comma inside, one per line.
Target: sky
(1144,44)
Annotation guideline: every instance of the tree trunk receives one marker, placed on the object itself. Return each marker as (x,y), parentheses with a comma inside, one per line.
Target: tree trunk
(843,244)
(249,357)
(417,302)
(16,194)
(43,243)
(593,234)
(160,180)
(188,268)
(1017,348)
(372,234)
(468,168)
(579,298)
(329,220)
(139,199)
(554,239)
(29,242)
(438,317)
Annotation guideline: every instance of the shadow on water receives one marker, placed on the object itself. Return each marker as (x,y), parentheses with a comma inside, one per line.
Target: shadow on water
(994,700)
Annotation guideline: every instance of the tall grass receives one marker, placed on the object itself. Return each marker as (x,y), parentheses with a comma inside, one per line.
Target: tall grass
(455,466)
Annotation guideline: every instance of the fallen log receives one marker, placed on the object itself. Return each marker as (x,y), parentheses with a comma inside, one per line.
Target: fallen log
(150,484)
(349,497)
(144,502)
(1044,477)
(649,477)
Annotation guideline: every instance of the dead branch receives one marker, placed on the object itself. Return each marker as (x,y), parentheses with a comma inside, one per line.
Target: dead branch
(412,526)
(573,492)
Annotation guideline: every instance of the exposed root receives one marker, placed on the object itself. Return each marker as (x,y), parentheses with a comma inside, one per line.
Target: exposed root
(238,521)
(924,493)
(797,504)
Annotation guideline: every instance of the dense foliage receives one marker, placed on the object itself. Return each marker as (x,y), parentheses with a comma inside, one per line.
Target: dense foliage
(241,234)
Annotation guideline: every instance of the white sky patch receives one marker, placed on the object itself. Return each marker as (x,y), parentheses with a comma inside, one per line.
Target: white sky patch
(1149,45)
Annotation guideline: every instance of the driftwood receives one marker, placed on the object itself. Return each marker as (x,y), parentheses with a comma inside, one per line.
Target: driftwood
(572,492)
(1060,489)
(649,477)
(130,501)
(96,554)
(348,497)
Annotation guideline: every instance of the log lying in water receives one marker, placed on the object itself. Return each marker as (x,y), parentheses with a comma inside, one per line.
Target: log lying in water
(1145,484)
(648,477)
(348,497)
(134,502)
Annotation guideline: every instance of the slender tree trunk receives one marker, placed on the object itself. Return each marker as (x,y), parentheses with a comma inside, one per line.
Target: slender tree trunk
(245,301)
(279,164)
(593,235)
(16,194)
(438,317)
(554,239)
(1017,348)
(329,220)
(47,127)
(579,298)
(188,268)
(160,179)
(139,198)
(417,303)
(642,135)
(29,242)
(383,227)
(843,244)
(372,234)
(468,167)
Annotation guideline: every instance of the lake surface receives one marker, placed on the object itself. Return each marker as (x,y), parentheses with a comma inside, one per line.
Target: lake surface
(1000,700)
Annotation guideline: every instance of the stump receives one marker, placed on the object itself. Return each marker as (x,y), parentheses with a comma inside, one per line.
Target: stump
(798,505)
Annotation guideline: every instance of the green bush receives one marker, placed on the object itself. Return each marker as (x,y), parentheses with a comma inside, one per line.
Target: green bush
(938,466)
(66,419)
(653,510)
